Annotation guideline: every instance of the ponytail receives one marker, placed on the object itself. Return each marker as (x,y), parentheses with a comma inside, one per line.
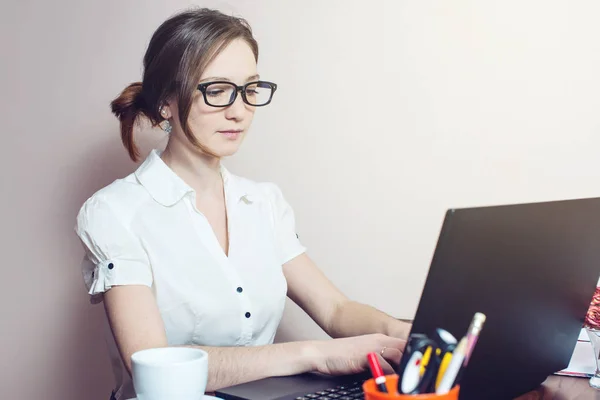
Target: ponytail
(127,108)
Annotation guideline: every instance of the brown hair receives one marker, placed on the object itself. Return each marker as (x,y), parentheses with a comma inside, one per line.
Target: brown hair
(177,54)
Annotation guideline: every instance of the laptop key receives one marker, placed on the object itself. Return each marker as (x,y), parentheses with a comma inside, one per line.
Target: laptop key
(346,398)
(312,396)
(333,395)
(321,393)
(343,393)
(331,390)
(301,398)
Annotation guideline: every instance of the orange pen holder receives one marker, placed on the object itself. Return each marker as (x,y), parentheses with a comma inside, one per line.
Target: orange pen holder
(372,393)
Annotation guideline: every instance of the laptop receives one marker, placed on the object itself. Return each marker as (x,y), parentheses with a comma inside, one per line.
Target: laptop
(531,268)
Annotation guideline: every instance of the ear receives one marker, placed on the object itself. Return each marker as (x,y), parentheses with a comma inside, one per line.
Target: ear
(165,111)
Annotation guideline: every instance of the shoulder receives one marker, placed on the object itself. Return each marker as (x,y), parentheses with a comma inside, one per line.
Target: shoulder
(259,190)
(281,214)
(267,193)
(119,201)
(272,192)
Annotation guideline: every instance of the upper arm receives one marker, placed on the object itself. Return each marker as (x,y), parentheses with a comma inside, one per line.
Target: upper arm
(117,270)
(307,285)
(312,291)
(134,320)
(287,243)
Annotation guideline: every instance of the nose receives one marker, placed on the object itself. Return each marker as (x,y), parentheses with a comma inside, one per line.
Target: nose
(237,110)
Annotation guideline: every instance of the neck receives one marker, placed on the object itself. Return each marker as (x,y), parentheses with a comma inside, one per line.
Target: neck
(199,170)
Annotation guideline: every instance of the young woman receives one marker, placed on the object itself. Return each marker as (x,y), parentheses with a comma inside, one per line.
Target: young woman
(184,253)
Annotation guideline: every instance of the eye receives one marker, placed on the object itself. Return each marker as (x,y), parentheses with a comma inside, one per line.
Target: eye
(214,92)
(252,90)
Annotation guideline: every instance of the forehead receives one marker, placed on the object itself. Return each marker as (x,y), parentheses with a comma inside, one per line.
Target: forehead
(235,62)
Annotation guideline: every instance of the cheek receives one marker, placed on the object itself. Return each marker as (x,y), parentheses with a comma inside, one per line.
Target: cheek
(250,116)
(204,125)
(204,122)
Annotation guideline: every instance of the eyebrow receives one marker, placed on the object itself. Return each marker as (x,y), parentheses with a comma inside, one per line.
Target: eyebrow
(221,78)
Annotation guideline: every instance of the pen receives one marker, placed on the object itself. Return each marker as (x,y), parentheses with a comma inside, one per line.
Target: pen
(447,345)
(377,372)
(446,339)
(473,334)
(442,370)
(428,376)
(408,349)
(458,356)
(425,362)
(408,352)
(409,381)
(418,366)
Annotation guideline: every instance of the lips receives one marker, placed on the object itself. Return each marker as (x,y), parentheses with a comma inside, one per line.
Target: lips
(232,133)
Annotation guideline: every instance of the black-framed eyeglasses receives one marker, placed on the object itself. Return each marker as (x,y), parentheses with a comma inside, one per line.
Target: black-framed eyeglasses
(224,93)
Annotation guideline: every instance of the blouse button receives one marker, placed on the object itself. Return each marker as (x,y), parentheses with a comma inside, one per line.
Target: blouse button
(239,290)
(111,266)
(248,315)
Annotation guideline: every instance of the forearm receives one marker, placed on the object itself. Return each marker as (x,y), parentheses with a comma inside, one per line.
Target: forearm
(354,319)
(228,366)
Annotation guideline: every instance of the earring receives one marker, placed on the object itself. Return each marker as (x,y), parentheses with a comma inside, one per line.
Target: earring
(166,126)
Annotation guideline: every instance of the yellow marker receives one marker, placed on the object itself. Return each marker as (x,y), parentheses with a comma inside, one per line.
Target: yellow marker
(443,366)
(425,360)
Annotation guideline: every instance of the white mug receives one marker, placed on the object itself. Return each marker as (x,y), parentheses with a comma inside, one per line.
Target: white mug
(174,373)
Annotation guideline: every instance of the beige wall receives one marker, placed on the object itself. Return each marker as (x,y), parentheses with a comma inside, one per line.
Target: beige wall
(388,113)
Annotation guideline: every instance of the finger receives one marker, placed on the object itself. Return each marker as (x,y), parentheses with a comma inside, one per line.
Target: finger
(392,355)
(387,368)
(395,343)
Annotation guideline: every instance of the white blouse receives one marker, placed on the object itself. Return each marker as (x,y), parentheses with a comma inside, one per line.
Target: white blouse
(145,229)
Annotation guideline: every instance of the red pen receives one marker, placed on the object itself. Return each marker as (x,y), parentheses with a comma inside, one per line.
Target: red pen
(377,372)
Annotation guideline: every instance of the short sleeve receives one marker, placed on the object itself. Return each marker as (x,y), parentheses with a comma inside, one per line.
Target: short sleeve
(288,242)
(113,255)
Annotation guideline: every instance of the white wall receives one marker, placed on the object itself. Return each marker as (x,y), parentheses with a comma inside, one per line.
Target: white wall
(387,113)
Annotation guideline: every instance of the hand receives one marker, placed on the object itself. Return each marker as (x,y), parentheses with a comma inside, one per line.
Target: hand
(349,355)
(399,329)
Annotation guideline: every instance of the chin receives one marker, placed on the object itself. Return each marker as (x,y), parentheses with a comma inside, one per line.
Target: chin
(226,150)
(228,147)
(220,147)
(226,153)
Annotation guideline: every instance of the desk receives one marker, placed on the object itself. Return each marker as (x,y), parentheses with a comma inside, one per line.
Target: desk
(563,388)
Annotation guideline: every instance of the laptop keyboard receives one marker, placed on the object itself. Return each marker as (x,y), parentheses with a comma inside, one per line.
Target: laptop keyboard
(351,391)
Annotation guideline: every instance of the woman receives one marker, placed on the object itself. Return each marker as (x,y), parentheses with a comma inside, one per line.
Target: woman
(184,253)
